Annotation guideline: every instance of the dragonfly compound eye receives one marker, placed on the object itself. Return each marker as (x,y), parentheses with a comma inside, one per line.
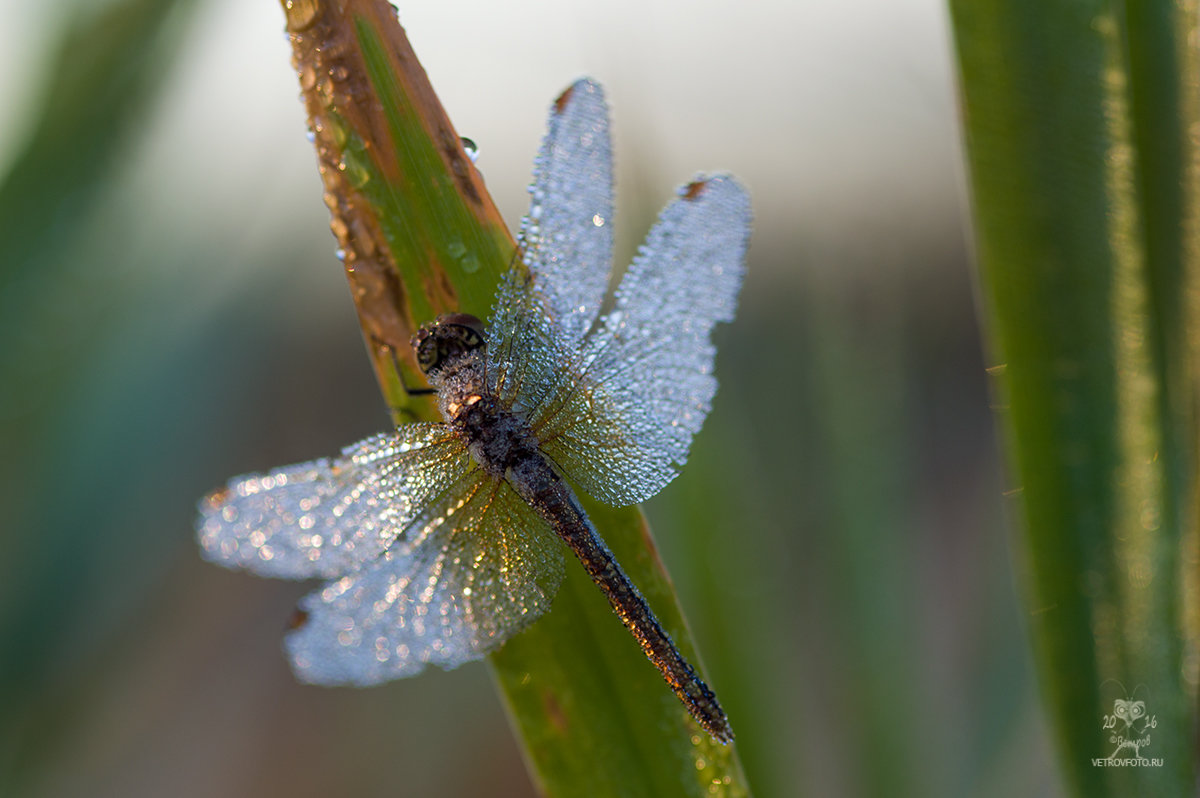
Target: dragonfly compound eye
(446,337)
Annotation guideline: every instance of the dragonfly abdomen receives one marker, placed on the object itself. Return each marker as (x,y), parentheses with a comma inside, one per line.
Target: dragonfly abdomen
(539,485)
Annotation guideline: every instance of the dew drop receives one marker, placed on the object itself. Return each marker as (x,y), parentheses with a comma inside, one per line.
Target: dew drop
(338,132)
(308,77)
(366,241)
(354,169)
(301,14)
(471,148)
(325,91)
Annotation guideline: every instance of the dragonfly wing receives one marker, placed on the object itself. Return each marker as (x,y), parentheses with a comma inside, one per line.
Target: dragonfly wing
(326,518)
(471,572)
(566,239)
(543,311)
(644,382)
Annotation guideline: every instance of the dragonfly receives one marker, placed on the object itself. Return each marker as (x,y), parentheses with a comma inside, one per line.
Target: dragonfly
(440,541)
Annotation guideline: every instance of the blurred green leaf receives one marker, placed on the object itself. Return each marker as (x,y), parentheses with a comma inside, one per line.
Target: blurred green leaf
(107,71)
(421,236)
(862,398)
(1080,123)
(109,67)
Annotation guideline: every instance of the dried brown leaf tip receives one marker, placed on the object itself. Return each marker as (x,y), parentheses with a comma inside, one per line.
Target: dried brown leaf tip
(336,97)
(407,206)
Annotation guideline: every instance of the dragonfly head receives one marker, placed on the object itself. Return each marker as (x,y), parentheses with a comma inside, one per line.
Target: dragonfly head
(447,337)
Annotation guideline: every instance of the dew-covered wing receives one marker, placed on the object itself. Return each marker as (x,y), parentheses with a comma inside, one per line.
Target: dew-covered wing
(470,573)
(328,517)
(645,382)
(528,362)
(566,240)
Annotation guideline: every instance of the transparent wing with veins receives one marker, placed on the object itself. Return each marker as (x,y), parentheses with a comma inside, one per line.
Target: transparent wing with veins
(473,570)
(328,517)
(621,423)
(566,239)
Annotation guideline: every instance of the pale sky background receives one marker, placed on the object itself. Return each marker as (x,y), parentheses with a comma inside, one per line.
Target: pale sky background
(818,107)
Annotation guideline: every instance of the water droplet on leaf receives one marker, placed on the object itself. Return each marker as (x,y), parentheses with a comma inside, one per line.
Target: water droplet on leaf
(308,77)
(301,14)
(352,165)
(471,148)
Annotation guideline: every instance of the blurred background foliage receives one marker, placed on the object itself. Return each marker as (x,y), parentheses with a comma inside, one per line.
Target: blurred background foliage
(173,314)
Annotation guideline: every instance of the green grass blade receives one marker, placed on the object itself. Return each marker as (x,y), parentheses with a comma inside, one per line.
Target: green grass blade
(421,237)
(109,68)
(1079,121)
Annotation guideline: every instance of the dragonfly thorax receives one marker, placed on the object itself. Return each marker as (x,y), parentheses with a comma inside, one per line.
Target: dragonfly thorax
(497,438)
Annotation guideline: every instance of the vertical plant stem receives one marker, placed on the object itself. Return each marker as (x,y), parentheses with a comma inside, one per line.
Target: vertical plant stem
(1079,121)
